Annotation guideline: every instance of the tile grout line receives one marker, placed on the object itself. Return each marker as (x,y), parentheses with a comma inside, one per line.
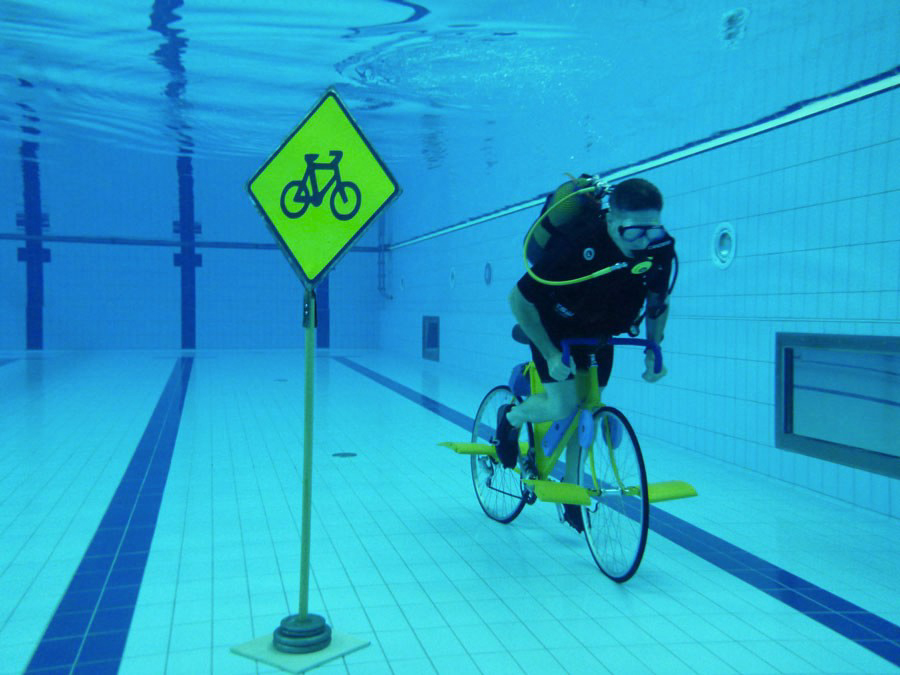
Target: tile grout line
(865,628)
(117,549)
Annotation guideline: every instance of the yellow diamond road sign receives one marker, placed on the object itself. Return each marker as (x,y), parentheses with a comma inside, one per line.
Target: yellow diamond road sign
(321,188)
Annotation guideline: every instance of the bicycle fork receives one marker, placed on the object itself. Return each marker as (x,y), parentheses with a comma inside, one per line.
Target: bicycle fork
(587,429)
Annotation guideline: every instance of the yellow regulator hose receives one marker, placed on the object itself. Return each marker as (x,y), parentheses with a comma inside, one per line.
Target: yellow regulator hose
(639,268)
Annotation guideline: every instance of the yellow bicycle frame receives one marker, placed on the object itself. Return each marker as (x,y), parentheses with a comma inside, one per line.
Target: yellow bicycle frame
(588,392)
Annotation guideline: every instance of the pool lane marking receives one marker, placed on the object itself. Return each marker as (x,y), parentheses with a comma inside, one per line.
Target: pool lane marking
(90,626)
(866,629)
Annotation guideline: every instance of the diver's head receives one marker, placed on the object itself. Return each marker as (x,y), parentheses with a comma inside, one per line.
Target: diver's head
(636,194)
(633,221)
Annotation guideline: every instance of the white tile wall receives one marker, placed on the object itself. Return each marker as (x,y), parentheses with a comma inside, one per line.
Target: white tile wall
(815,208)
(814,204)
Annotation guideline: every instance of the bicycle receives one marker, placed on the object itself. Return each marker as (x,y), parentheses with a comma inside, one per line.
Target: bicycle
(345,198)
(612,492)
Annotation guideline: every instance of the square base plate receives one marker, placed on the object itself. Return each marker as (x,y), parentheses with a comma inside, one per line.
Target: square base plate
(261,649)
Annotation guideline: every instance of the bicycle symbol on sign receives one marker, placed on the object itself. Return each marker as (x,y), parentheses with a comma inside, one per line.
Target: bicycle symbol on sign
(299,194)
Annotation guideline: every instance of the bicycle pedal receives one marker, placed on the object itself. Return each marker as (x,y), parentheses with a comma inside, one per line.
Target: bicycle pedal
(486,449)
(670,489)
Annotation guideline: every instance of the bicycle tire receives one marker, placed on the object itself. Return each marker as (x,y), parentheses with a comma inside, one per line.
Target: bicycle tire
(616,522)
(499,491)
(301,190)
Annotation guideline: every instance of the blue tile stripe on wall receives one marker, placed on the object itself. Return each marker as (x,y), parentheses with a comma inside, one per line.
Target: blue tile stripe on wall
(852,621)
(89,629)
(33,254)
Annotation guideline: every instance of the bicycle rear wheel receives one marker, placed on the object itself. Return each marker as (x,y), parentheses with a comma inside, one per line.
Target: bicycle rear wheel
(499,490)
(615,524)
(295,199)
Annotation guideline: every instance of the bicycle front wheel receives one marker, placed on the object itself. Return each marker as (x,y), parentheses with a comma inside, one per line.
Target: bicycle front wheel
(345,200)
(615,523)
(499,491)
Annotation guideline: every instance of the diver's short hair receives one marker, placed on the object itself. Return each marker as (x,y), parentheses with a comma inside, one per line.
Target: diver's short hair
(636,194)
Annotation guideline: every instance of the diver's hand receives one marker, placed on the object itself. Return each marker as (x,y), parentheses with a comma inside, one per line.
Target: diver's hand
(559,371)
(649,363)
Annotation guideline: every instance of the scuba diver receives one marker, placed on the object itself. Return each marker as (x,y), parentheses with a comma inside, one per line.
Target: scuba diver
(592,269)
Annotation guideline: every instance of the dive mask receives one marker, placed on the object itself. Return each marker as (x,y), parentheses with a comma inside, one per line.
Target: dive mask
(656,235)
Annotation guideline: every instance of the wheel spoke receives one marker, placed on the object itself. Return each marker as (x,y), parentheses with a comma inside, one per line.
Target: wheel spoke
(499,490)
(616,522)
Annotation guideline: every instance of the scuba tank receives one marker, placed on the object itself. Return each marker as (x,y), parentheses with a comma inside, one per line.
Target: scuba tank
(562,211)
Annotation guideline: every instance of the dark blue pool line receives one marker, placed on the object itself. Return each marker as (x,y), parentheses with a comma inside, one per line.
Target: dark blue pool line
(448,414)
(87,633)
(852,621)
(4,362)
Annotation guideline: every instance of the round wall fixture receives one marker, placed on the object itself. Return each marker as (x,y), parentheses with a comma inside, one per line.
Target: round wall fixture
(488,274)
(724,243)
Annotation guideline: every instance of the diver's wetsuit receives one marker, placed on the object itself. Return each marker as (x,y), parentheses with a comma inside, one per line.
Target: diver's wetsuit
(604,306)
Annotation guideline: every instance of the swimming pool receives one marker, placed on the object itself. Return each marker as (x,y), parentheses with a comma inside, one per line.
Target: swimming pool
(149,326)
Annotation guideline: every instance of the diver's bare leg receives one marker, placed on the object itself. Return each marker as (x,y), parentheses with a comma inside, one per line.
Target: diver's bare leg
(557,400)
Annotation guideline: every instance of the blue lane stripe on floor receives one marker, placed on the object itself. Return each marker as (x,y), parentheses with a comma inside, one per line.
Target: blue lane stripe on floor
(3,362)
(89,629)
(437,407)
(852,621)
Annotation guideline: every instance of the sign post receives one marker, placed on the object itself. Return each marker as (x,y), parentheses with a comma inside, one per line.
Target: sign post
(317,194)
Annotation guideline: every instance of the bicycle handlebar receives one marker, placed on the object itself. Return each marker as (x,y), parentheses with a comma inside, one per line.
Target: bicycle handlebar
(596,342)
